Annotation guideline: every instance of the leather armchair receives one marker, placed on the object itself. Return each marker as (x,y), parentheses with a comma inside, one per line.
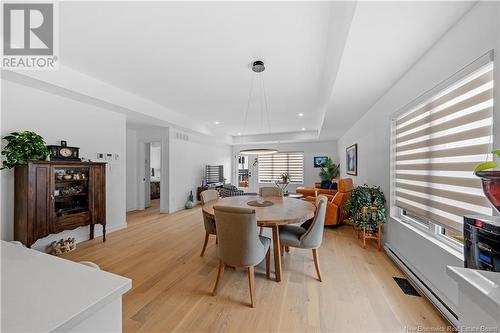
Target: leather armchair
(334,212)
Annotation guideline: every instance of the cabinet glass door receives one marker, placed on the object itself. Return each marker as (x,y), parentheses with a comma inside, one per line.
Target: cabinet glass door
(71,191)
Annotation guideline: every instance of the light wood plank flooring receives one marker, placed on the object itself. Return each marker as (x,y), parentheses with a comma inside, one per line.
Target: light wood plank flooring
(171,283)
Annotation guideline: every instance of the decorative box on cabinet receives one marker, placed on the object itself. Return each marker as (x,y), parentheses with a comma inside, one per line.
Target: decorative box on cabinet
(52,196)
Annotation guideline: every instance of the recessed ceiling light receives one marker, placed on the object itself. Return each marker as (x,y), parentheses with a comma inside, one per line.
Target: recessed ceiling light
(303,128)
(239,133)
(300,114)
(216,122)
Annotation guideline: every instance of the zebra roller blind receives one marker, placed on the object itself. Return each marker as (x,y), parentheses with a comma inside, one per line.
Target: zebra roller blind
(437,145)
(272,166)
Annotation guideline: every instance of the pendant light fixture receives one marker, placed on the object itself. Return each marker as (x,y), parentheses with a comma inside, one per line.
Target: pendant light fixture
(258,67)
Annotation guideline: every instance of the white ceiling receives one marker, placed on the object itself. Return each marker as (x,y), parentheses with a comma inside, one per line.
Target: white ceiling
(385,40)
(328,60)
(195,57)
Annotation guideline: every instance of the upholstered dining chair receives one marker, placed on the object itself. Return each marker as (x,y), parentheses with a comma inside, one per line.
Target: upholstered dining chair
(209,222)
(270,191)
(239,245)
(310,237)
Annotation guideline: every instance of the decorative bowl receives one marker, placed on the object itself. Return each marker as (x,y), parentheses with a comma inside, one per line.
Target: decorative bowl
(67,177)
(491,186)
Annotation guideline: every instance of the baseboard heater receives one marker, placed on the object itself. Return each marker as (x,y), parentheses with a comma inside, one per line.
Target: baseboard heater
(442,307)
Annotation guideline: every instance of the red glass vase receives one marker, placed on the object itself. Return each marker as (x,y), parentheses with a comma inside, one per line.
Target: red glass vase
(491,186)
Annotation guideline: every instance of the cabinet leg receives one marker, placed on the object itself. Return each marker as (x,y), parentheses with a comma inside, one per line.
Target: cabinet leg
(91,231)
(103,232)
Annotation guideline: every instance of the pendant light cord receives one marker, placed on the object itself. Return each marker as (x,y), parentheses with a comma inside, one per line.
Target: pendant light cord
(266,103)
(248,106)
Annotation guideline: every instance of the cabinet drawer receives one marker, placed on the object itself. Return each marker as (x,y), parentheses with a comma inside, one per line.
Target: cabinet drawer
(73,221)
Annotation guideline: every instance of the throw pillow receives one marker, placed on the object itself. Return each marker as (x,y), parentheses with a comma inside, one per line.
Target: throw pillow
(325,184)
(334,186)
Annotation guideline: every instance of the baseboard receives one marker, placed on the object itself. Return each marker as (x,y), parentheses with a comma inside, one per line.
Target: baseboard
(424,289)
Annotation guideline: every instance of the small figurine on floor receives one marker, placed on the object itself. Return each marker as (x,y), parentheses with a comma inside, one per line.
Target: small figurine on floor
(62,246)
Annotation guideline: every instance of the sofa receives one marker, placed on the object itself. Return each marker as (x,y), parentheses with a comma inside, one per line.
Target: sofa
(334,208)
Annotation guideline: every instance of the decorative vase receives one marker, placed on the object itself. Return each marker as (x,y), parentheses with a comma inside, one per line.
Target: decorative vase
(189,203)
(491,186)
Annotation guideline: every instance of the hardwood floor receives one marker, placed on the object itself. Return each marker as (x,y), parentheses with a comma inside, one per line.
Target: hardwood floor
(172,285)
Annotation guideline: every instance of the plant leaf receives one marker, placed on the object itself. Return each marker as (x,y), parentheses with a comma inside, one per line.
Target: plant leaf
(497,152)
(486,166)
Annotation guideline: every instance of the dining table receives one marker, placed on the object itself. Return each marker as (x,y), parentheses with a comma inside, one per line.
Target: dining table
(282,211)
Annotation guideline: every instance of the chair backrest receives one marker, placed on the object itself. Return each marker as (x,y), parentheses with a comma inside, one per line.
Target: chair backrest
(270,191)
(209,195)
(345,185)
(313,237)
(238,240)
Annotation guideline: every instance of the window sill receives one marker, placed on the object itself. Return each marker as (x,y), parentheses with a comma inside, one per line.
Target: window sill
(458,254)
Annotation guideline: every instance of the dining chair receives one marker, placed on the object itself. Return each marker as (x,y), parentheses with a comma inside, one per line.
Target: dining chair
(207,196)
(239,245)
(307,238)
(270,191)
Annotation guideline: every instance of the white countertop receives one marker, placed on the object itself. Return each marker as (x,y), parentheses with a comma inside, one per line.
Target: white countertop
(43,293)
(486,285)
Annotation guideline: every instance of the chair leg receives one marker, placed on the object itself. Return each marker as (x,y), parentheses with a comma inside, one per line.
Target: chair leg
(316,263)
(216,239)
(282,251)
(219,277)
(268,263)
(251,284)
(261,231)
(207,235)
(287,249)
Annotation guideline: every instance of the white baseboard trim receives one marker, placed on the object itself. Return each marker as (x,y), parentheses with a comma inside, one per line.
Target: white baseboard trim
(423,288)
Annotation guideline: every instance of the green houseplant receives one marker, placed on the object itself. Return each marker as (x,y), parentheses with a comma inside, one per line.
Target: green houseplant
(366,207)
(489,172)
(330,170)
(285,178)
(22,147)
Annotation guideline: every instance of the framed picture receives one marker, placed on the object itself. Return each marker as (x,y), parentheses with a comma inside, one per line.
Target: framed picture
(351,160)
(320,161)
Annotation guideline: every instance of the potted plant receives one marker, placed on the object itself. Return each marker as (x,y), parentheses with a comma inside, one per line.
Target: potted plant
(330,170)
(489,172)
(285,178)
(366,207)
(22,147)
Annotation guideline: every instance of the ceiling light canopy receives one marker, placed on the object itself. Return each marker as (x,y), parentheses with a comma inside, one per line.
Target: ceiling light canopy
(258,67)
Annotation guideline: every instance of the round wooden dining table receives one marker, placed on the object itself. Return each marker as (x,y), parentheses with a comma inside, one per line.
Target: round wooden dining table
(283,211)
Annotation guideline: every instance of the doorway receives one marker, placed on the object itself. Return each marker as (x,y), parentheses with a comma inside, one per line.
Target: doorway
(152,173)
(247,168)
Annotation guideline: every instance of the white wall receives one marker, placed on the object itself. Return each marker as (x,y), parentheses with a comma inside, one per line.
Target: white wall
(132,181)
(188,161)
(310,149)
(475,34)
(56,117)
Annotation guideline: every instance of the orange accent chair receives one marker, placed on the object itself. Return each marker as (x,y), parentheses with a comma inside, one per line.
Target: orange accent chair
(334,212)
(317,190)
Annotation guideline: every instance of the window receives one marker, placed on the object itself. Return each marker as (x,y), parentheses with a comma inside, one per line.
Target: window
(272,166)
(436,144)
